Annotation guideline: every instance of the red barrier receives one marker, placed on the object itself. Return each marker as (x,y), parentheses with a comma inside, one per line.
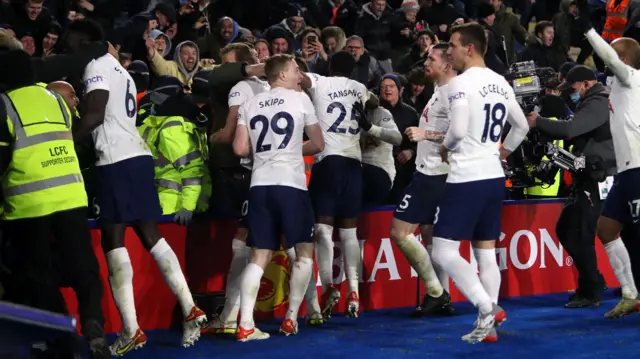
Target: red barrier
(529,255)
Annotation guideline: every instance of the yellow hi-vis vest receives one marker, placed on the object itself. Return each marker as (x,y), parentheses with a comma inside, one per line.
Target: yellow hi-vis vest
(547,190)
(180,151)
(44,175)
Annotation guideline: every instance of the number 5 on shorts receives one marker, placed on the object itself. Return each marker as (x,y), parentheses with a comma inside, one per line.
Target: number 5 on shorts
(404,204)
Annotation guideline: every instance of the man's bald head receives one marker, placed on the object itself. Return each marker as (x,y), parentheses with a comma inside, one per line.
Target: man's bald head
(66,91)
(628,50)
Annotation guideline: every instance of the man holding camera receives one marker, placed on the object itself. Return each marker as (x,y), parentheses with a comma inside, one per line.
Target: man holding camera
(591,137)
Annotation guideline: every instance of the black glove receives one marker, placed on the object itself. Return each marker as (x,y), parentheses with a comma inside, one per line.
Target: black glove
(361,116)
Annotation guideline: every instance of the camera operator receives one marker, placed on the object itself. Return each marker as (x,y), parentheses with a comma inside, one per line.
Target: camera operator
(591,136)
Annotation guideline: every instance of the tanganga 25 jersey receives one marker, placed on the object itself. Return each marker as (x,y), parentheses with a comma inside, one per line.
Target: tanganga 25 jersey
(276,120)
(376,152)
(333,98)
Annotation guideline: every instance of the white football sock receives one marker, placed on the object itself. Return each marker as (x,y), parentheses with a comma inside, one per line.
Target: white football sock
(121,280)
(621,264)
(311,295)
(489,272)
(249,287)
(298,283)
(172,273)
(443,277)
(447,254)
(239,260)
(419,260)
(351,255)
(291,253)
(324,254)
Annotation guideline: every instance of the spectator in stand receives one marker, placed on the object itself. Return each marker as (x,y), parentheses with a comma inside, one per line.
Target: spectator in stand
(374,27)
(29,17)
(28,44)
(280,40)
(403,29)
(404,116)
(347,16)
(417,55)
(418,91)
(440,16)
(495,57)
(507,27)
(543,52)
(140,74)
(312,51)
(293,25)
(368,70)
(333,39)
(162,42)
(186,62)
(50,40)
(226,31)
(570,24)
(262,48)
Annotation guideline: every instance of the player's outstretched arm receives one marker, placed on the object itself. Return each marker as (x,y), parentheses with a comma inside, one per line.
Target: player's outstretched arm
(519,128)
(95,104)
(227,133)
(387,131)
(609,57)
(316,140)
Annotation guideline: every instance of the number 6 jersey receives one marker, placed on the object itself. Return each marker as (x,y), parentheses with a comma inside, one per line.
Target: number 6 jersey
(117,138)
(480,101)
(333,98)
(276,121)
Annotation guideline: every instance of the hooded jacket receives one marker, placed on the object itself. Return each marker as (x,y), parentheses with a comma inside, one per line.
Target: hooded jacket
(176,68)
(157,33)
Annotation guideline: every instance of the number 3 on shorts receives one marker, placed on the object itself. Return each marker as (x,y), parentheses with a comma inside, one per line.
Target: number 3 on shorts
(404,204)
(245,208)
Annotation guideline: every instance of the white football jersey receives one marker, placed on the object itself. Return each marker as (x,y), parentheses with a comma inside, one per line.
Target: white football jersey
(624,120)
(376,152)
(117,138)
(435,117)
(242,92)
(489,98)
(276,121)
(333,98)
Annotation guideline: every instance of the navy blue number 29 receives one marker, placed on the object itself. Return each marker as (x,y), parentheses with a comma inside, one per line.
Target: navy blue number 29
(287,130)
(494,118)
(343,113)
(129,101)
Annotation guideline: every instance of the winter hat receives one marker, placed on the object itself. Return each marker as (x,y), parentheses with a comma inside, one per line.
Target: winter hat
(392,77)
(410,5)
(485,10)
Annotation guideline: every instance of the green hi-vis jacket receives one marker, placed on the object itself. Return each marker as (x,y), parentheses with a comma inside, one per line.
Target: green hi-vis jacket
(180,151)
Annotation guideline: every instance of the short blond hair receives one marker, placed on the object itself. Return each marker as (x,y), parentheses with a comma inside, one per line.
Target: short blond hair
(277,64)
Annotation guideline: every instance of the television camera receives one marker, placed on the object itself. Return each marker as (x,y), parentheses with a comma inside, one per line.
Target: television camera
(538,159)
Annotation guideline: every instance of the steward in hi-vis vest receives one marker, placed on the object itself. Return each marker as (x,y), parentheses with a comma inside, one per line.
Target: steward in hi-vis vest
(44,197)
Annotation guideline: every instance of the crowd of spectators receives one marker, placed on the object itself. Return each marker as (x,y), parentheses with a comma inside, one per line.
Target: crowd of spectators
(157,38)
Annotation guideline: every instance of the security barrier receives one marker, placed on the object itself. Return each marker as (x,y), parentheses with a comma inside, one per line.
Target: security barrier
(529,256)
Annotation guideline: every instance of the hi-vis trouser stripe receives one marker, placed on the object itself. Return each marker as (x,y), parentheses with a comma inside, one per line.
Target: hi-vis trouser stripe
(178,186)
(23,141)
(161,161)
